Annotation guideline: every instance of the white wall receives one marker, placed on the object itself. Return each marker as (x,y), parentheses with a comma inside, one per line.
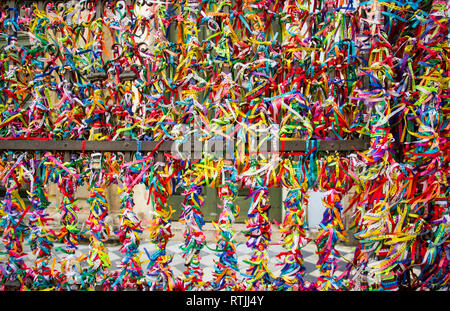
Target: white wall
(315,209)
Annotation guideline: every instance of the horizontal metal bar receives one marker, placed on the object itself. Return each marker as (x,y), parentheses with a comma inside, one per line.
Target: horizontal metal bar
(166,146)
(77,145)
(330,145)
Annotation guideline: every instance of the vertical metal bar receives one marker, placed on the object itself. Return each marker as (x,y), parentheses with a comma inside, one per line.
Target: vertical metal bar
(11,31)
(99,7)
(194,143)
(126,76)
(159,156)
(226,66)
(227,69)
(68,77)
